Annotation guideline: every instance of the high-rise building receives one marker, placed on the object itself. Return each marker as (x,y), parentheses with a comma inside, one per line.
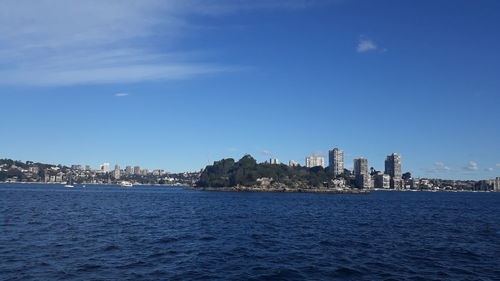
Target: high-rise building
(393,166)
(137,170)
(336,161)
(496,184)
(105,167)
(293,163)
(360,166)
(116,172)
(363,179)
(129,170)
(274,161)
(145,172)
(315,161)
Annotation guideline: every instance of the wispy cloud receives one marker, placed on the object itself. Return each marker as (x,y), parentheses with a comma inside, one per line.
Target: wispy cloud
(498,165)
(121,94)
(265,152)
(439,167)
(67,42)
(365,45)
(488,169)
(472,166)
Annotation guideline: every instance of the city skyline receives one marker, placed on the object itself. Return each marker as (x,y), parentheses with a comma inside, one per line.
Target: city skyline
(93,82)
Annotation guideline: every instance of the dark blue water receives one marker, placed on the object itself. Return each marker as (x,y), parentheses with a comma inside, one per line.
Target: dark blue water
(48,232)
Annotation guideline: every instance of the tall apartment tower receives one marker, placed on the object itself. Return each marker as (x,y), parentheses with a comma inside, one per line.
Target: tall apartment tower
(336,161)
(116,172)
(137,170)
(393,166)
(496,184)
(129,170)
(360,166)
(363,179)
(315,161)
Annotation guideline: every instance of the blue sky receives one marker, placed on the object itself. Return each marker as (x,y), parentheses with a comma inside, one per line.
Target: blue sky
(178,84)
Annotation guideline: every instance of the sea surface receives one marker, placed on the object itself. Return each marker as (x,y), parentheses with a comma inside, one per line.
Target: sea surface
(48,232)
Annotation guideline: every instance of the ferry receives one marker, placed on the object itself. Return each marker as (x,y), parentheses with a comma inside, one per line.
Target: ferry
(126,184)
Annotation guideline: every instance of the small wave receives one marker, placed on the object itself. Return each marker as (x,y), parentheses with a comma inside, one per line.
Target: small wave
(89,267)
(347,272)
(110,248)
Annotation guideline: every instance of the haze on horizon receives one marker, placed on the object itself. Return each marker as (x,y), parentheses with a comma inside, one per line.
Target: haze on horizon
(176,85)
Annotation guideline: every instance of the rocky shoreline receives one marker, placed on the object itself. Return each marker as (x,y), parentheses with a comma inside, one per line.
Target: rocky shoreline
(287,190)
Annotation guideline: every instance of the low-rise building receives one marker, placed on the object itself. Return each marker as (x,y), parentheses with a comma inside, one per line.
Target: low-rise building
(382,180)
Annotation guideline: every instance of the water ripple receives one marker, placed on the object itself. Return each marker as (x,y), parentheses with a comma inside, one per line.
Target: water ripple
(158,233)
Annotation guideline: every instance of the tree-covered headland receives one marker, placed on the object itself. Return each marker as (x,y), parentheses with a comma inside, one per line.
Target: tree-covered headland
(247,172)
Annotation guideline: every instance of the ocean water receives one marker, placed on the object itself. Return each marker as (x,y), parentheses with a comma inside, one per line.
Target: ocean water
(48,232)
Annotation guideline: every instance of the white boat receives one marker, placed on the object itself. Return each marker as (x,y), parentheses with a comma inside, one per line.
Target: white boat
(126,184)
(69,183)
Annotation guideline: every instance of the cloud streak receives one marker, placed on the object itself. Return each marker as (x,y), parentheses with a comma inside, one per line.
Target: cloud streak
(68,42)
(439,167)
(473,166)
(265,152)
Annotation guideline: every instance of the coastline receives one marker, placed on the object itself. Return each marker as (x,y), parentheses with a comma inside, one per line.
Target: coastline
(278,190)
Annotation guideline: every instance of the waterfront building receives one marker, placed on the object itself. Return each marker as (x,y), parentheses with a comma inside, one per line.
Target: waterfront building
(293,163)
(360,166)
(396,183)
(145,172)
(393,169)
(116,172)
(137,170)
(33,169)
(105,167)
(484,185)
(364,181)
(336,161)
(274,161)
(414,183)
(382,180)
(129,170)
(87,167)
(361,173)
(315,161)
(496,185)
(393,165)
(76,167)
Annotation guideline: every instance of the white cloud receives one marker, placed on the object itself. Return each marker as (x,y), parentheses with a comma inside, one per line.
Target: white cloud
(121,94)
(440,167)
(473,166)
(498,165)
(266,152)
(365,45)
(488,169)
(66,42)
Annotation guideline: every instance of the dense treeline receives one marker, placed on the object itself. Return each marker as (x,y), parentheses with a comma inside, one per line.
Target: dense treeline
(245,172)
